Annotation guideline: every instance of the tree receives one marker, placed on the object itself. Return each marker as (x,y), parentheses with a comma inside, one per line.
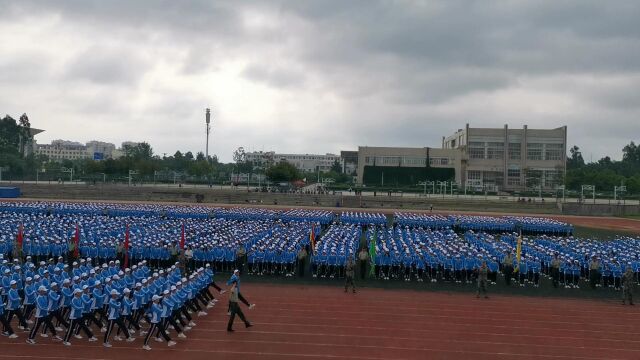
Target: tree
(631,153)
(239,155)
(336,167)
(283,171)
(200,156)
(575,160)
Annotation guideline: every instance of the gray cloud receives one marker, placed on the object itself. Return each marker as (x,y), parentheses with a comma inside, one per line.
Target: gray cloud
(319,76)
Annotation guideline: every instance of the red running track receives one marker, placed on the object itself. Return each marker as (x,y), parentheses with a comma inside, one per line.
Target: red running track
(319,322)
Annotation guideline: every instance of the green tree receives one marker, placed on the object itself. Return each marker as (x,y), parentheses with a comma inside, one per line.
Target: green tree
(575,160)
(282,172)
(336,167)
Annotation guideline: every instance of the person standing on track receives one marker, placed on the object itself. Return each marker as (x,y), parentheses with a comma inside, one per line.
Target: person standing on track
(483,273)
(555,270)
(363,258)
(507,268)
(349,274)
(234,294)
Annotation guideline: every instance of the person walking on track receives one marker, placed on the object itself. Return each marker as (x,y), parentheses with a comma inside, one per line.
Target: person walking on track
(234,294)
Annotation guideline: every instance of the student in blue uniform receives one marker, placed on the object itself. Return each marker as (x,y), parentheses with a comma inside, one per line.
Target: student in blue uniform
(8,330)
(76,308)
(42,312)
(156,314)
(115,317)
(14,305)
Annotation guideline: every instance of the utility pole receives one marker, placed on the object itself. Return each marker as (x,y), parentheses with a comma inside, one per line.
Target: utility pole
(208,130)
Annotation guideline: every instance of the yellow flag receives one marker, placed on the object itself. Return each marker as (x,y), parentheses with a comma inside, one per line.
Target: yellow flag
(518,253)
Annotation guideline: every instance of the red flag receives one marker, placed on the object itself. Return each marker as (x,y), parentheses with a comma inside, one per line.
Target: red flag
(76,241)
(20,237)
(182,238)
(126,248)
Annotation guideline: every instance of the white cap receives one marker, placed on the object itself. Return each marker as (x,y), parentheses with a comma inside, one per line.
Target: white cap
(115,292)
(77,291)
(42,288)
(156,297)
(12,282)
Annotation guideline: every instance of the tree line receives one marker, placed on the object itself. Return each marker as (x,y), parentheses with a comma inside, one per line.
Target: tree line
(19,163)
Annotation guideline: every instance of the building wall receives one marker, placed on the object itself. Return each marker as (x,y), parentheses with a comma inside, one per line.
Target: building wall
(511,159)
(408,157)
(303,162)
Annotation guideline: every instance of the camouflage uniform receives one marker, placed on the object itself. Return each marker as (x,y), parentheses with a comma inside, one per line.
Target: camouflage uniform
(482,280)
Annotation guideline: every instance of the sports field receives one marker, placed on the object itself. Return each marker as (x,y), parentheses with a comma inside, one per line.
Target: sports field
(319,322)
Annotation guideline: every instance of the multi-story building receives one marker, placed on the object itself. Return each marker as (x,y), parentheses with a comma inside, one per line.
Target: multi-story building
(496,159)
(510,159)
(261,159)
(303,162)
(100,150)
(63,150)
(73,150)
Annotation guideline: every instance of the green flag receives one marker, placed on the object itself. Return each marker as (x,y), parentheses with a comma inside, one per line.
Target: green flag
(372,253)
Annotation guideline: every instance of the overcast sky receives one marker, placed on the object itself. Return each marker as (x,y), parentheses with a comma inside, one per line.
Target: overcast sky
(321,76)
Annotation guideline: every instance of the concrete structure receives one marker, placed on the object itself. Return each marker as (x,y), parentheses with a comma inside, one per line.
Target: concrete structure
(349,162)
(303,162)
(510,159)
(407,158)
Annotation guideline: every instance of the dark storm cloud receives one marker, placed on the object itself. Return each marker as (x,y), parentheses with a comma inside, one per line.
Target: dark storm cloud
(371,72)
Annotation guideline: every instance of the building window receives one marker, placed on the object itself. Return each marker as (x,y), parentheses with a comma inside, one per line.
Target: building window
(513,176)
(515,151)
(495,150)
(476,150)
(553,152)
(474,175)
(534,151)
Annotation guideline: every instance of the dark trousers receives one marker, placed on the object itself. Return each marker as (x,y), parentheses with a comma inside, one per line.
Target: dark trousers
(88,318)
(42,321)
(121,327)
(555,276)
(17,312)
(77,324)
(6,325)
(156,327)
(363,268)
(235,309)
(508,271)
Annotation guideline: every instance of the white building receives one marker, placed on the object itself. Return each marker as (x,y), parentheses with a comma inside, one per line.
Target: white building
(303,162)
(63,150)
(73,150)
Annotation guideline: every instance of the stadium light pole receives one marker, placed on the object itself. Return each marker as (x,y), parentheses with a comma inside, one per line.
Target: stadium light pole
(207,130)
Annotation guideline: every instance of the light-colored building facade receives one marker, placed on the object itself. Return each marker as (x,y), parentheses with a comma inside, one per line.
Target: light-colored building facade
(510,159)
(73,150)
(303,162)
(63,150)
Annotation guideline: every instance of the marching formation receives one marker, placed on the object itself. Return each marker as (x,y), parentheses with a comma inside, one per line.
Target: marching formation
(52,300)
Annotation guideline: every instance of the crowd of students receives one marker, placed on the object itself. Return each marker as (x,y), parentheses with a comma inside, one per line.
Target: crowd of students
(52,300)
(526,224)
